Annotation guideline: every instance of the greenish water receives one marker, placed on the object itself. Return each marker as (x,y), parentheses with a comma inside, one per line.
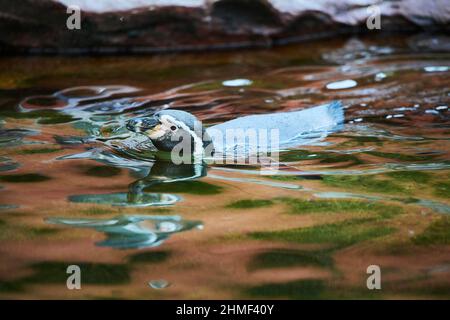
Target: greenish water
(76,189)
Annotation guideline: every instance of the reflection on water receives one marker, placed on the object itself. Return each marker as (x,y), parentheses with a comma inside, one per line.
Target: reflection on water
(111,159)
(436,206)
(127,232)
(131,200)
(380,178)
(152,173)
(14,137)
(7,164)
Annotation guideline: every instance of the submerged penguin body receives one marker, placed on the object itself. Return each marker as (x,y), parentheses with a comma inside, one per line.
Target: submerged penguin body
(282,130)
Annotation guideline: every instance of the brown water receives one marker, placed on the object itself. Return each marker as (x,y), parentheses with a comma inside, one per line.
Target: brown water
(374,193)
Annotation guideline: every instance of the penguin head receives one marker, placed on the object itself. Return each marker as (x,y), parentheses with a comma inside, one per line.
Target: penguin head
(168,128)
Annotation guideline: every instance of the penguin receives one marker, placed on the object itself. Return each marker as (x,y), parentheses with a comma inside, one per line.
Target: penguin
(167,128)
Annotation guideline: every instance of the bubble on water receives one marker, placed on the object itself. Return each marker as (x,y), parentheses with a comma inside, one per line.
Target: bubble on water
(344,84)
(237,82)
(404,109)
(380,76)
(436,68)
(159,284)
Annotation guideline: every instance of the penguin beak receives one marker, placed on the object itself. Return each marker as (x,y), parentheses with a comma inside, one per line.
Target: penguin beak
(143,124)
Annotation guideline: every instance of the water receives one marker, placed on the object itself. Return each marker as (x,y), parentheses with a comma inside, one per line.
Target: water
(76,188)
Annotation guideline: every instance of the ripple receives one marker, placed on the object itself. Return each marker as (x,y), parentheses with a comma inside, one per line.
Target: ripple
(8,206)
(345,195)
(123,199)
(344,84)
(436,206)
(74,97)
(15,137)
(7,164)
(131,231)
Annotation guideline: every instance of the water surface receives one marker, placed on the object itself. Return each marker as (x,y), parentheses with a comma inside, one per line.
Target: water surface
(75,189)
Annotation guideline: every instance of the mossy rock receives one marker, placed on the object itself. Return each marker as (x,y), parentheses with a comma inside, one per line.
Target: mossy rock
(437,233)
(339,234)
(284,258)
(24,178)
(191,187)
(300,206)
(442,189)
(150,257)
(300,289)
(410,176)
(364,182)
(249,204)
(102,171)
(400,156)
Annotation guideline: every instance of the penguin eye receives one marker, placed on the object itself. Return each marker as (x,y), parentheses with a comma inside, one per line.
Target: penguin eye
(173,128)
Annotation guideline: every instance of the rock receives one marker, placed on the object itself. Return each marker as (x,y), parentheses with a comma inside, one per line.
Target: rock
(143,26)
